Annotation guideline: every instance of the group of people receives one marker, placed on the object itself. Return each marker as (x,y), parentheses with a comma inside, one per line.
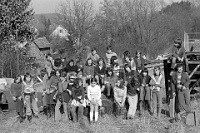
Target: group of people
(77,86)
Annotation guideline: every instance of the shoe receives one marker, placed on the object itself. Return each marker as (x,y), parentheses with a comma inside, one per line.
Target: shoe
(21,119)
(29,117)
(37,117)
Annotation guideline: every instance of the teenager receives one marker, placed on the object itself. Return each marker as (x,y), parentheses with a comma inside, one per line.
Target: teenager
(30,97)
(17,91)
(48,65)
(127,59)
(71,67)
(109,54)
(100,71)
(178,54)
(62,98)
(133,85)
(181,82)
(145,92)
(88,71)
(94,96)
(110,81)
(120,93)
(52,91)
(78,100)
(157,86)
(139,61)
(94,56)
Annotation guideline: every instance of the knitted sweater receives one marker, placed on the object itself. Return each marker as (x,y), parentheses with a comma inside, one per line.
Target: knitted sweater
(93,92)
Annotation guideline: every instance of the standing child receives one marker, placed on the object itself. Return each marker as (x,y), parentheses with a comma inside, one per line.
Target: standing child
(78,100)
(88,71)
(120,93)
(30,97)
(100,71)
(139,61)
(94,96)
(16,90)
(157,85)
(145,92)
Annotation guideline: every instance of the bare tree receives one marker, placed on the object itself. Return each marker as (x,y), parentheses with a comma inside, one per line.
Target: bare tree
(78,16)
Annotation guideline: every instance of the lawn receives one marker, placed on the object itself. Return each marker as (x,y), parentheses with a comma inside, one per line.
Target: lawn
(106,124)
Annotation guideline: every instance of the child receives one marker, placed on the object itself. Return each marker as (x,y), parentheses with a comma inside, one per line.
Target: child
(48,65)
(120,92)
(88,70)
(94,56)
(109,81)
(132,87)
(62,98)
(30,97)
(78,100)
(157,85)
(145,92)
(181,82)
(100,71)
(128,60)
(139,61)
(94,96)
(16,90)
(109,54)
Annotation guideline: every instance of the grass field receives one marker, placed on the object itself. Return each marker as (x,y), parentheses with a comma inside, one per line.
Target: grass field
(106,124)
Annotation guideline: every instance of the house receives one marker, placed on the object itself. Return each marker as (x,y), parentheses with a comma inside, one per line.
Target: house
(61,32)
(39,48)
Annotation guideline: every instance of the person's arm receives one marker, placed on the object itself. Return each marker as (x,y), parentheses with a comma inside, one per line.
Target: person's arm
(133,65)
(174,54)
(125,94)
(83,93)
(96,71)
(99,92)
(183,53)
(73,93)
(187,80)
(85,71)
(88,94)
(142,63)
(115,94)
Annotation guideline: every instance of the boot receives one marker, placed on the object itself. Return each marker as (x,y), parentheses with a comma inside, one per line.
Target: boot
(141,108)
(74,116)
(159,112)
(48,111)
(29,117)
(150,107)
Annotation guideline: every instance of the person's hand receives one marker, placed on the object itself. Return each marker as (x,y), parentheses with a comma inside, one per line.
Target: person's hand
(179,86)
(81,101)
(183,87)
(146,85)
(138,89)
(54,97)
(24,102)
(36,99)
(70,93)
(14,98)
(47,91)
(20,97)
(139,71)
(179,58)
(143,85)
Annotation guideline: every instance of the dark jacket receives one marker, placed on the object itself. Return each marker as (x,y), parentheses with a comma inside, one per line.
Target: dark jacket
(69,68)
(147,81)
(185,81)
(142,63)
(97,70)
(76,92)
(133,85)
(178,52)
(16,89)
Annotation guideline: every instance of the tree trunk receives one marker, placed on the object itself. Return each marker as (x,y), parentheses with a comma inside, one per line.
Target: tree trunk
(18,62)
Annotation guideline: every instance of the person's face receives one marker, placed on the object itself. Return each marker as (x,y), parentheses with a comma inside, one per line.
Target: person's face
(128,69)
(109,51)
(138,54)
(100,62)
(110,72)
(57,73)
(144,73)
(18,80)
(71,63)
(180,69)
(93,84)
(80,83)
(62,78)
(94,52)
(118,83)
(89,62)
(116,61)
(28,78)
(157,72)
(127,59)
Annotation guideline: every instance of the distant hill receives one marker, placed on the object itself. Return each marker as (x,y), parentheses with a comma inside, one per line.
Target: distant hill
(37,19)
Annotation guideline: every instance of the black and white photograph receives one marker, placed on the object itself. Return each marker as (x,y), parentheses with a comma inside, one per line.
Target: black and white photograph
(99,66)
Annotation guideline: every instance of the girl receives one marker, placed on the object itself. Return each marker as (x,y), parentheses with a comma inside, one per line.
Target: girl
(16,90)
(62,98)
(100,71)
(109,81)
(94,56)
(139,61)
(48,65)
(120,92)
(94,96)
(128,60)
(71,67)
(109,54)
(133,85)
(180,83)
(157,85)
(30,97)
(145,92)
(52,90)
(88,71)
(78,100)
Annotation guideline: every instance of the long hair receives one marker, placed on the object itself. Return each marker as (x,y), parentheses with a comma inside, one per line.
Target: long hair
(113,58)
(27,75)
(16,78)
(101,59)
(154,70)
(109,70)
(86,63)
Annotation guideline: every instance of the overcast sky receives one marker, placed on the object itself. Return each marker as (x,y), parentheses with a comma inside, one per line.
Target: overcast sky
(50,6)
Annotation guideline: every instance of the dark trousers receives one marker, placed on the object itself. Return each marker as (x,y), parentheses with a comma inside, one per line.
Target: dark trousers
(74,114)
(19,107)
(184,99)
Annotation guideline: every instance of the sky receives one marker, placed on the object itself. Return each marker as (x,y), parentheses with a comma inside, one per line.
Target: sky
(50,6)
